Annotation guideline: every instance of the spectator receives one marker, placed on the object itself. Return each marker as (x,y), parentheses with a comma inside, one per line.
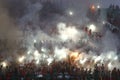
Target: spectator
(114,74)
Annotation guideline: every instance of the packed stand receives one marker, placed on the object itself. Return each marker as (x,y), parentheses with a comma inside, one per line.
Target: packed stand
(57,71)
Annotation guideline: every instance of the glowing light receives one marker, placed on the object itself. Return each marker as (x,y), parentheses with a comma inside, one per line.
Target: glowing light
(61,26)
(98,59)
(92,27)
(67,33)
(43,49)
(93,7)
(35,41)
(74,54)
(103,22)
(36,53)
(116,58)
(98,6)
(4,64)
(61,54)
(44,56)
(109,56)
(21,59)
(37,56)
(71,13)
(83,61)
(49,60)
(37,61)
(42,41)
(94,57)
(110,66)
(28,52)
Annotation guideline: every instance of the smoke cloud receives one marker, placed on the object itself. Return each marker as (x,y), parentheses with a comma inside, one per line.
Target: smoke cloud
(34,25)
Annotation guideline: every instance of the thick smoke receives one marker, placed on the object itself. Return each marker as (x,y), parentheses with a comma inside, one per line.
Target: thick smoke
(110,41)
(9,32)
(52,30)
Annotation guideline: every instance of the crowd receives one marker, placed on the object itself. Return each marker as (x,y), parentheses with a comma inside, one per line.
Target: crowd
(57,71)
(113,15)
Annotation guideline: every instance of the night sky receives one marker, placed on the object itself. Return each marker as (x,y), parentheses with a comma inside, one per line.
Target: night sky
(103,3)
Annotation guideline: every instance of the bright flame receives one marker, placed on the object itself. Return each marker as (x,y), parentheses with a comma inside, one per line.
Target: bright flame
(83,61)
(92,27)
(21,59)
(43,49)
(37,56)
(67,33)
(4,64)
(98,59)
(93,7)
(61,54)
(74,54)
(110,66)
(49,60)
(37,61)
(36,53)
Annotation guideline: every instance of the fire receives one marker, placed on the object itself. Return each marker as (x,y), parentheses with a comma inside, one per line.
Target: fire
(93,7)
(110,66)
(21,59)
(49,60)
(83,61)
(92,27)
(61,54)
(4,64)
(74,56)
(67,32)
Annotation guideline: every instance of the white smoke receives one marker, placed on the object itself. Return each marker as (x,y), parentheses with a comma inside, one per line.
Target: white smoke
(61,54)
(41,46)
(68,32)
